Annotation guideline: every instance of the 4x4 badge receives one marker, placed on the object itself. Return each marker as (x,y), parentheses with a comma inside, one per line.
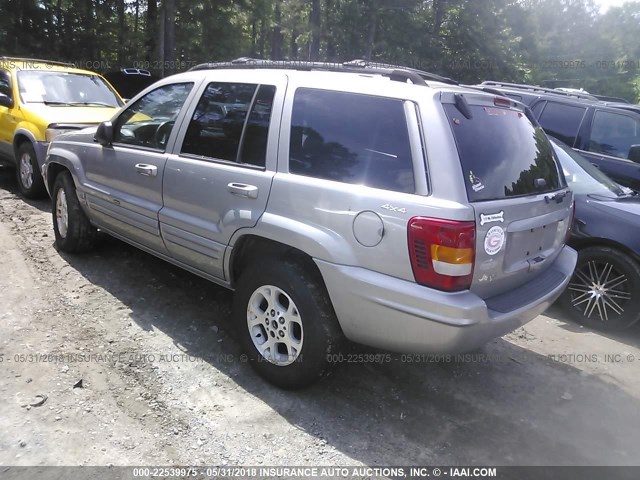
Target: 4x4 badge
(391,208)
(493,217)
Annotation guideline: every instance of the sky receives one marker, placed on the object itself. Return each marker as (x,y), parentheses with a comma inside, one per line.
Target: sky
(605,4)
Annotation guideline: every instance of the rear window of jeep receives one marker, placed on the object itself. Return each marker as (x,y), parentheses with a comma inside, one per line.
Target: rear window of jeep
(502,153)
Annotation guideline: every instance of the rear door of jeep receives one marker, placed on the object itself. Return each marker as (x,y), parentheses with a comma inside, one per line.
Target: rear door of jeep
(522,205)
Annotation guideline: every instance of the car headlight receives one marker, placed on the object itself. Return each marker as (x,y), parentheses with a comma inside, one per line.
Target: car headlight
(51,133)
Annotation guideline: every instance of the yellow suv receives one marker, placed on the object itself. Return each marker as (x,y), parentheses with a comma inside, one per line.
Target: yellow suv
(39,100)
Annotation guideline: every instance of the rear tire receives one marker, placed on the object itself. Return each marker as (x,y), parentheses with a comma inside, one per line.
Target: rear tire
(286,323)
(602,294)
(28,176)
(74,233)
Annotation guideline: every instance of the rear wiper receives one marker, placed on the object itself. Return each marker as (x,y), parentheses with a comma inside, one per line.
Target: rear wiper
(462,105)
(558,197)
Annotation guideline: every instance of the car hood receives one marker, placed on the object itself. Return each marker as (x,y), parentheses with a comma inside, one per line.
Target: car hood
(83,135)
(623,208)
(76,115)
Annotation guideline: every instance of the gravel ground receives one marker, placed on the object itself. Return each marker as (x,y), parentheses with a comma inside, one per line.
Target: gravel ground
(137,367)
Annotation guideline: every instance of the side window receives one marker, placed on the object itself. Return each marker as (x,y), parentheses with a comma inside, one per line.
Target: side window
(562,121)
(217,128)
(5,83)
(537,108)
(613,134)
(150,120)
(351,138)
(254,146)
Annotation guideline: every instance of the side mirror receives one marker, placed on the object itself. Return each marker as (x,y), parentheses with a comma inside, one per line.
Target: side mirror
(634,153)
(6,101)
(104,134)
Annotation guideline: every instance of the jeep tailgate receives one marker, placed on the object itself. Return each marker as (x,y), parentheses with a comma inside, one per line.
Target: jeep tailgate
(522,205)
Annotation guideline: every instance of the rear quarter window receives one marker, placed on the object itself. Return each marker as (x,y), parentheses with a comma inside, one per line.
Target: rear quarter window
(351,138)
(613,134)
(562,121)
(537,109)
(502,154)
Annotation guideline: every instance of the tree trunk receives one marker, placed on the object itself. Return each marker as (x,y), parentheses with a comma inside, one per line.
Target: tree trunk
(371,36)
(121,31)
(59,27)
(439,9)
(276,46)
(328,30)
(90,31)
(316,21)
(263,35)
(137,17)
(161,37)
(254,39)
(100,28)
(151,30)
(294,44)
(170,34)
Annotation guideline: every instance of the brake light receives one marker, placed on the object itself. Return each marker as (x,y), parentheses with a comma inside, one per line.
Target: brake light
(442,252)
(502,102)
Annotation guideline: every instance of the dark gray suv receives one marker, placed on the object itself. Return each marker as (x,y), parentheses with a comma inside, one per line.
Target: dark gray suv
(607,134)
(379,204)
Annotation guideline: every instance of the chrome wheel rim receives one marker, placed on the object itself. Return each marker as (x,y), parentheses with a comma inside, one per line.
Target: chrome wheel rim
(62,213)
(275,326)
(26,170)
(600,291)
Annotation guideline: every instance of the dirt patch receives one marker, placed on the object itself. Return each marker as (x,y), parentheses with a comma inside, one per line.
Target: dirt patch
(163,382)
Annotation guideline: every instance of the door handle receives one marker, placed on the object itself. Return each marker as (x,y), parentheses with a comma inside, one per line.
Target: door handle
(146,170)
(243,190)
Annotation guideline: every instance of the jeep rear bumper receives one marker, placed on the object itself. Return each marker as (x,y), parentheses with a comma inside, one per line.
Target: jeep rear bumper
(399,315)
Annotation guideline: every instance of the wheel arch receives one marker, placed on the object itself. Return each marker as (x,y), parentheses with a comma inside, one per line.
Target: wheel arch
(59,161)
(19,138)
(53,170)
(250,246)
(583,243)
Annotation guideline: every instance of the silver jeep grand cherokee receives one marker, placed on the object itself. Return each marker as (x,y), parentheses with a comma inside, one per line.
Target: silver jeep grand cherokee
(385,205)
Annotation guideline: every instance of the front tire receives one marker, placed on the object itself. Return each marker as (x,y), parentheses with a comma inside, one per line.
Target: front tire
(74,233)
(602,293)
(286,323)
(30,182)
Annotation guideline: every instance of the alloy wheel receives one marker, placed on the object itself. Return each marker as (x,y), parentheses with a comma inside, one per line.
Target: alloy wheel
(275,326)
(26,170)
(600,291)
(62,213)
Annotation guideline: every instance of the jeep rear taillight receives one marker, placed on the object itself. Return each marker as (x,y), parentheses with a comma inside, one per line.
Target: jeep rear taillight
(442,252)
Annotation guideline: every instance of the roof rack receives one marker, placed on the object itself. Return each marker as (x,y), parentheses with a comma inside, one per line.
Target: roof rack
(36,60)
(536,88)
(135,71)
(493,91)
(608,98)
(394,72)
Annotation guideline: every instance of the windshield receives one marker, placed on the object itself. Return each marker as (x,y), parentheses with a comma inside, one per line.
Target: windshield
(582,177)
(62,88)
